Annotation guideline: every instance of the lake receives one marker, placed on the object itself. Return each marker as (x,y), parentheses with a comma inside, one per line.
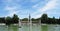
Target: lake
(33,28)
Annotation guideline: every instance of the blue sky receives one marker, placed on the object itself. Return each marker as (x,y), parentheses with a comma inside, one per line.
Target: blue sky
(35,7)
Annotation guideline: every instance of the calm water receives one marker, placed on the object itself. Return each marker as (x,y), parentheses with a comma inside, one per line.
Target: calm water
(34,28)
(50,28)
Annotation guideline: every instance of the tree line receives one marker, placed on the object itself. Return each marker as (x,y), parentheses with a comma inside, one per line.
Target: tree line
(9,20)
(44,19)
(48,20)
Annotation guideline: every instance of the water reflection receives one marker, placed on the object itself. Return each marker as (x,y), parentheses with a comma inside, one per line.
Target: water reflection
(9,28)
(12,28)
(53,27)
(34,28)
(3,28)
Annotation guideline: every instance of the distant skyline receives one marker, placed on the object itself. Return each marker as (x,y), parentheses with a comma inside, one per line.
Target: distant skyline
(35,7)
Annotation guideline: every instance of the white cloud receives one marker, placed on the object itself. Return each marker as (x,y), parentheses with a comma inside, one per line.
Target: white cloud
(11,10)
(8,8)
(35,6)
(37,16)
(50,5)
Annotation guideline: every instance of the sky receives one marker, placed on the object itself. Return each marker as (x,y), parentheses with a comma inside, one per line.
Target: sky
(33,7)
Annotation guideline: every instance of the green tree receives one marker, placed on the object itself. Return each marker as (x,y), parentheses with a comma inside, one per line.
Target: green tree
(2,19)
(8,20)
(59,20)
(15,18)
(44,18)
(33,19)
(25,19)
(54,20)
